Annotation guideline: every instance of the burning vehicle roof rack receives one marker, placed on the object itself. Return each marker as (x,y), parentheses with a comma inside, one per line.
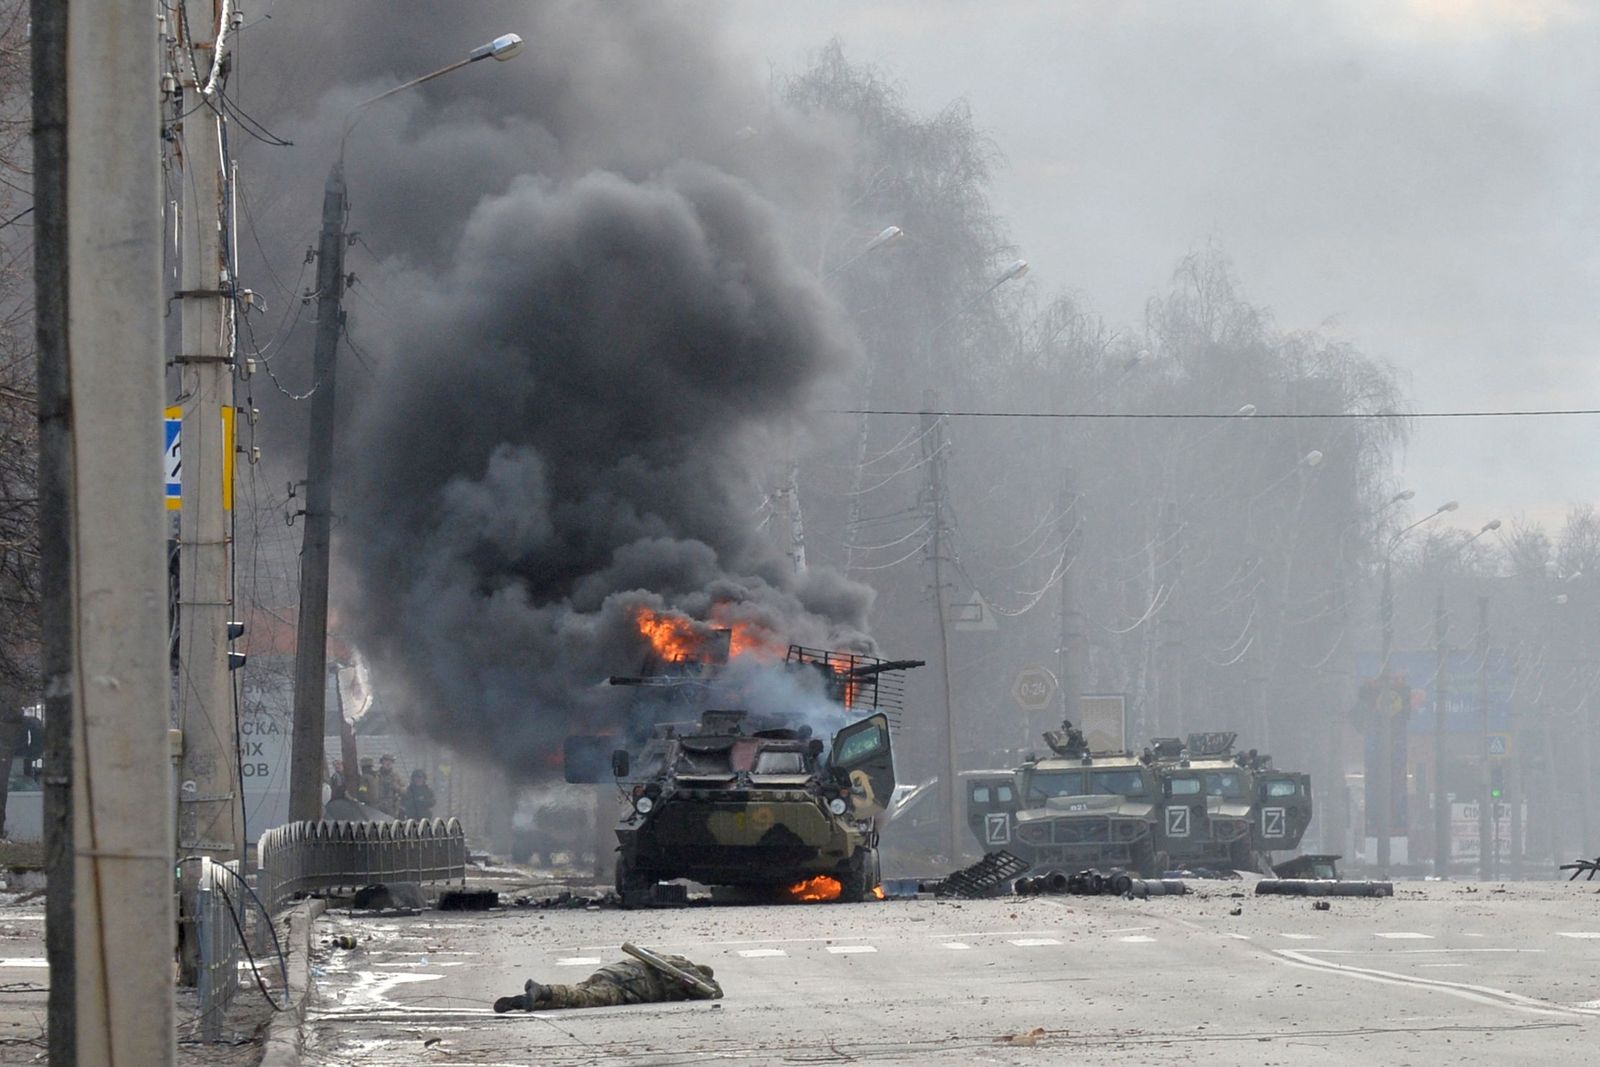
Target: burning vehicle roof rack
(859,682)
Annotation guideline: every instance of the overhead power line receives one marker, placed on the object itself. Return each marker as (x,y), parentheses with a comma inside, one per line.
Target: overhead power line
(1232,415)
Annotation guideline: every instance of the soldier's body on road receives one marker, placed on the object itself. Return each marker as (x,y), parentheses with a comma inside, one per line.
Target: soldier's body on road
(624,982)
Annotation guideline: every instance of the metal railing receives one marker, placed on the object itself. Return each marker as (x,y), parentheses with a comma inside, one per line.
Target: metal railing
(299,857)
(219,916)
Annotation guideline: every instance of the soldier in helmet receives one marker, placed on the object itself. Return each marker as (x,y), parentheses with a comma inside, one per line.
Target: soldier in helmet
(628,981)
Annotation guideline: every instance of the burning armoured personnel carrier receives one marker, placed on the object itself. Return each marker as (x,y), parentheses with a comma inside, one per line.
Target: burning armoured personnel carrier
(1072,809)
(755,799)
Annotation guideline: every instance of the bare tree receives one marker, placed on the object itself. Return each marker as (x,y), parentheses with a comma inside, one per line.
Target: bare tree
(19,592)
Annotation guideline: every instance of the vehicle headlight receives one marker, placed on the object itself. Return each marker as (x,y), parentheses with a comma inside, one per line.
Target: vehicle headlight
(838,806)
(644,805)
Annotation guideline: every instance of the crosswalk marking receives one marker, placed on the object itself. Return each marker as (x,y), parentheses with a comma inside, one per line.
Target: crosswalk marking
(24,961)
(1034,942)
(578,961)
(1136,938)
(1301,937)
(1582,935)
(1238,937)
(1405,935)
(761,953)
(850,950)
(955,945)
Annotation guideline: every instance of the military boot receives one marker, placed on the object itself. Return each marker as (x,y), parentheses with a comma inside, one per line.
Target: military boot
(532,993)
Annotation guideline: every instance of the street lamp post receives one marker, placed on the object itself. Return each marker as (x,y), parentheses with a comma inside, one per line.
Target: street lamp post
(1384,792)
(311,635)
(1441,805)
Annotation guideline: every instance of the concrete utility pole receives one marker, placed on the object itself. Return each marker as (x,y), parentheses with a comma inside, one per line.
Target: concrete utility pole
(933,451)
(210,816)
(1069,672)
(104,656)
(1486,803)
(311,635)
(1383,794)
(1441,800)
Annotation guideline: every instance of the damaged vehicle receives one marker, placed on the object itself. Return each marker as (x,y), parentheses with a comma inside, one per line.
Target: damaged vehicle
(1071,810)
(754,798)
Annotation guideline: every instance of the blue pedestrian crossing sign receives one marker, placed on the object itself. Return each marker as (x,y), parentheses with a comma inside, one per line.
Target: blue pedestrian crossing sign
(1499,746)
(172,461)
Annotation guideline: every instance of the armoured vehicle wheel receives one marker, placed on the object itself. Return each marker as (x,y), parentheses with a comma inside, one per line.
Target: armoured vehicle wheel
(629,879)
(1144,860)
(862,878)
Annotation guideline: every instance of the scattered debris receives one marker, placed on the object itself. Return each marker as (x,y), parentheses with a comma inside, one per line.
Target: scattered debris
(468,900)
(1321,905)
(388,896)
(1587,868)
(1024,1040)
(1089,883)
(344,941)
(1236,910)
(1319,887)
(1310,865)
(659,895)
(982,879)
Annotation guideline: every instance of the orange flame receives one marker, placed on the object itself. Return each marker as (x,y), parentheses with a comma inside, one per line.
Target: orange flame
(815,890)
(674,637)
(877,891)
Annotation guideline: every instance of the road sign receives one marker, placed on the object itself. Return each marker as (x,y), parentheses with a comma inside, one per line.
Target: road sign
(1499,746)
(1034,689)
(172,457)
(973,616)
(171,462)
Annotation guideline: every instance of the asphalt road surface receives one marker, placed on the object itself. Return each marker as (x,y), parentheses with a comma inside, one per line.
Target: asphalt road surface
(1440,974)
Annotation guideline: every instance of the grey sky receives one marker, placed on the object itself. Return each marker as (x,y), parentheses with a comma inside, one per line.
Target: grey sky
(1416,176)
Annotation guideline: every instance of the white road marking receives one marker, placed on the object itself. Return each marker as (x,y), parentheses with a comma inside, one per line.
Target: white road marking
(24,961)
(25,917)
(1137,939)
(1476,993)
(761,953)
(1405,935)
(1033,942)
(847,950)
(1238,937)
(1302,937)
(1129,929)
(1584,935)
(1437,965)
(955,945)
(1472,935)
(577,961)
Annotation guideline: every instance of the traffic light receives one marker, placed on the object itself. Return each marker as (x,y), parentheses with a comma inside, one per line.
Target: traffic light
(1497,781)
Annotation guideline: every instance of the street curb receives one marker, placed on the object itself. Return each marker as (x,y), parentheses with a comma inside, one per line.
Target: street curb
(284,1033)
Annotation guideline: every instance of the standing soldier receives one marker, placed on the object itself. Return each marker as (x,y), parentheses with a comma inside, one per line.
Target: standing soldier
(388,793)
(625,982)
(418,800)
(336,783)
(367,783)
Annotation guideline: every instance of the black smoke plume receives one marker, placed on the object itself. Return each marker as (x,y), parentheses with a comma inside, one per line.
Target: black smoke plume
(595,347)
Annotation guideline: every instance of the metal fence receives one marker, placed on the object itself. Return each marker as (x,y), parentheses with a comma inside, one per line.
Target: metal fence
(300,857)
(219,918)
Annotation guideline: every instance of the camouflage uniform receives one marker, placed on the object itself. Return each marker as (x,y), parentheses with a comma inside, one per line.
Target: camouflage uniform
(627,982)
